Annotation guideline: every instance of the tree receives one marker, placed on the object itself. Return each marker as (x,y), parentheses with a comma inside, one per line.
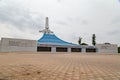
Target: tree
(79,41)
(94,39)
(84,44)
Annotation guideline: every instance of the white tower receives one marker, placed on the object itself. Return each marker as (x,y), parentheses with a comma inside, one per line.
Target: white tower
(46,30)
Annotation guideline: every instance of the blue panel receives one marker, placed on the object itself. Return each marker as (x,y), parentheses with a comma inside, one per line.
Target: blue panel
(54,40)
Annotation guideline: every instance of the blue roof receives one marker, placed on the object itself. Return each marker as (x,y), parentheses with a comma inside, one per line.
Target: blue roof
(51,39)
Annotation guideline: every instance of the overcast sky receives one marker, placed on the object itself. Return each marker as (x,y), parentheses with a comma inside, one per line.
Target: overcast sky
(69,19)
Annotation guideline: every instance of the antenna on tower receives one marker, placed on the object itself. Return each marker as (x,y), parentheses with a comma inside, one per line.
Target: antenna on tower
(46,30)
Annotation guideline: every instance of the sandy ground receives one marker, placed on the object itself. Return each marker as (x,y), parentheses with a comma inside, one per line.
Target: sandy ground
(59,66)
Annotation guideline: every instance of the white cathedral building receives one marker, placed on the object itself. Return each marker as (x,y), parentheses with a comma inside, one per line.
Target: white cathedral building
(49,42)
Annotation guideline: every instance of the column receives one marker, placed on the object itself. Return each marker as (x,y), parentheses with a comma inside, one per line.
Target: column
(69,50)
(53,49)
(83,50)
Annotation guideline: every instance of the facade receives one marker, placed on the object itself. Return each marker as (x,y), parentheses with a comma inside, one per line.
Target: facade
(17,45)
(107,48)
(51,43)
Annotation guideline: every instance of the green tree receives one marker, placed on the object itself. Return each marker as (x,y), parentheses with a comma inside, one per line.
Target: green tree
(94,39)
(84,44)
(79,41)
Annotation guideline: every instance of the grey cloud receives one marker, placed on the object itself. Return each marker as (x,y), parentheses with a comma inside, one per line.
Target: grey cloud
(16,15)
(64,23)
(114,32)
(116,20)
(59,0)
(77,20)
(84,22)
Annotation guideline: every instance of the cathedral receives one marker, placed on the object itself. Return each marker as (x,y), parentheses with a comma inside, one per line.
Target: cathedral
(49,42)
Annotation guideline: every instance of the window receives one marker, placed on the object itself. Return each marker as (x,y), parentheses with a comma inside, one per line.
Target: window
(90,50)
(61,49)
(75,49)
(44,49)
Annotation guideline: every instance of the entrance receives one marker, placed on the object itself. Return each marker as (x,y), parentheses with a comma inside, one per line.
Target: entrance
(75,49)
(90,50)
(44,49)
(61,49)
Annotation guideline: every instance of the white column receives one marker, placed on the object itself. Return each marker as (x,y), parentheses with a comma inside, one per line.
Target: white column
(53,49)
(83,50)
(69,50)
(97,51)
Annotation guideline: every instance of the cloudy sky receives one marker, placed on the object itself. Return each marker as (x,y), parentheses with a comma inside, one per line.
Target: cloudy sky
(69,19)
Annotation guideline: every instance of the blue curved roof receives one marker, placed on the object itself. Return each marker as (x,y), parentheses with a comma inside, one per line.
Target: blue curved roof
(51,39)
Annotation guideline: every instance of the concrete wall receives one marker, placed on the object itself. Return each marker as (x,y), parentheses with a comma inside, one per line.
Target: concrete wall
(107,48)
(18,45)
(0,45)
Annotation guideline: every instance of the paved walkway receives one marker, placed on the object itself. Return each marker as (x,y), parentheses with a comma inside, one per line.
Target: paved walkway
(59,67)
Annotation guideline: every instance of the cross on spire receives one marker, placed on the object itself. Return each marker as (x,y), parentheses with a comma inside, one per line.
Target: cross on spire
(46,30)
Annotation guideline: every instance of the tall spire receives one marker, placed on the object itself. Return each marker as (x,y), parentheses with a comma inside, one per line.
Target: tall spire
(47,23)
(46,30)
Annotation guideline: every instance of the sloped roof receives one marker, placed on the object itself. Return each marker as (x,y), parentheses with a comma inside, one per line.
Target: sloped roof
(52,39)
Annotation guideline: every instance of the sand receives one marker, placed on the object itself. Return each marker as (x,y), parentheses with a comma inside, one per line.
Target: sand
(59,66)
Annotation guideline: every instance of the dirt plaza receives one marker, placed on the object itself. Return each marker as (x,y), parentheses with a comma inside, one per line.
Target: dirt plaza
(59,66)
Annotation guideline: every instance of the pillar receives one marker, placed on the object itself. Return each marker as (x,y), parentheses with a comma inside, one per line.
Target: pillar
(53,49)
(69,50)
(83,50)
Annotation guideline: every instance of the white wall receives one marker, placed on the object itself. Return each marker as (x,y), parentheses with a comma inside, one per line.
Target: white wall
(15,45)
(107,48)
(0,45)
